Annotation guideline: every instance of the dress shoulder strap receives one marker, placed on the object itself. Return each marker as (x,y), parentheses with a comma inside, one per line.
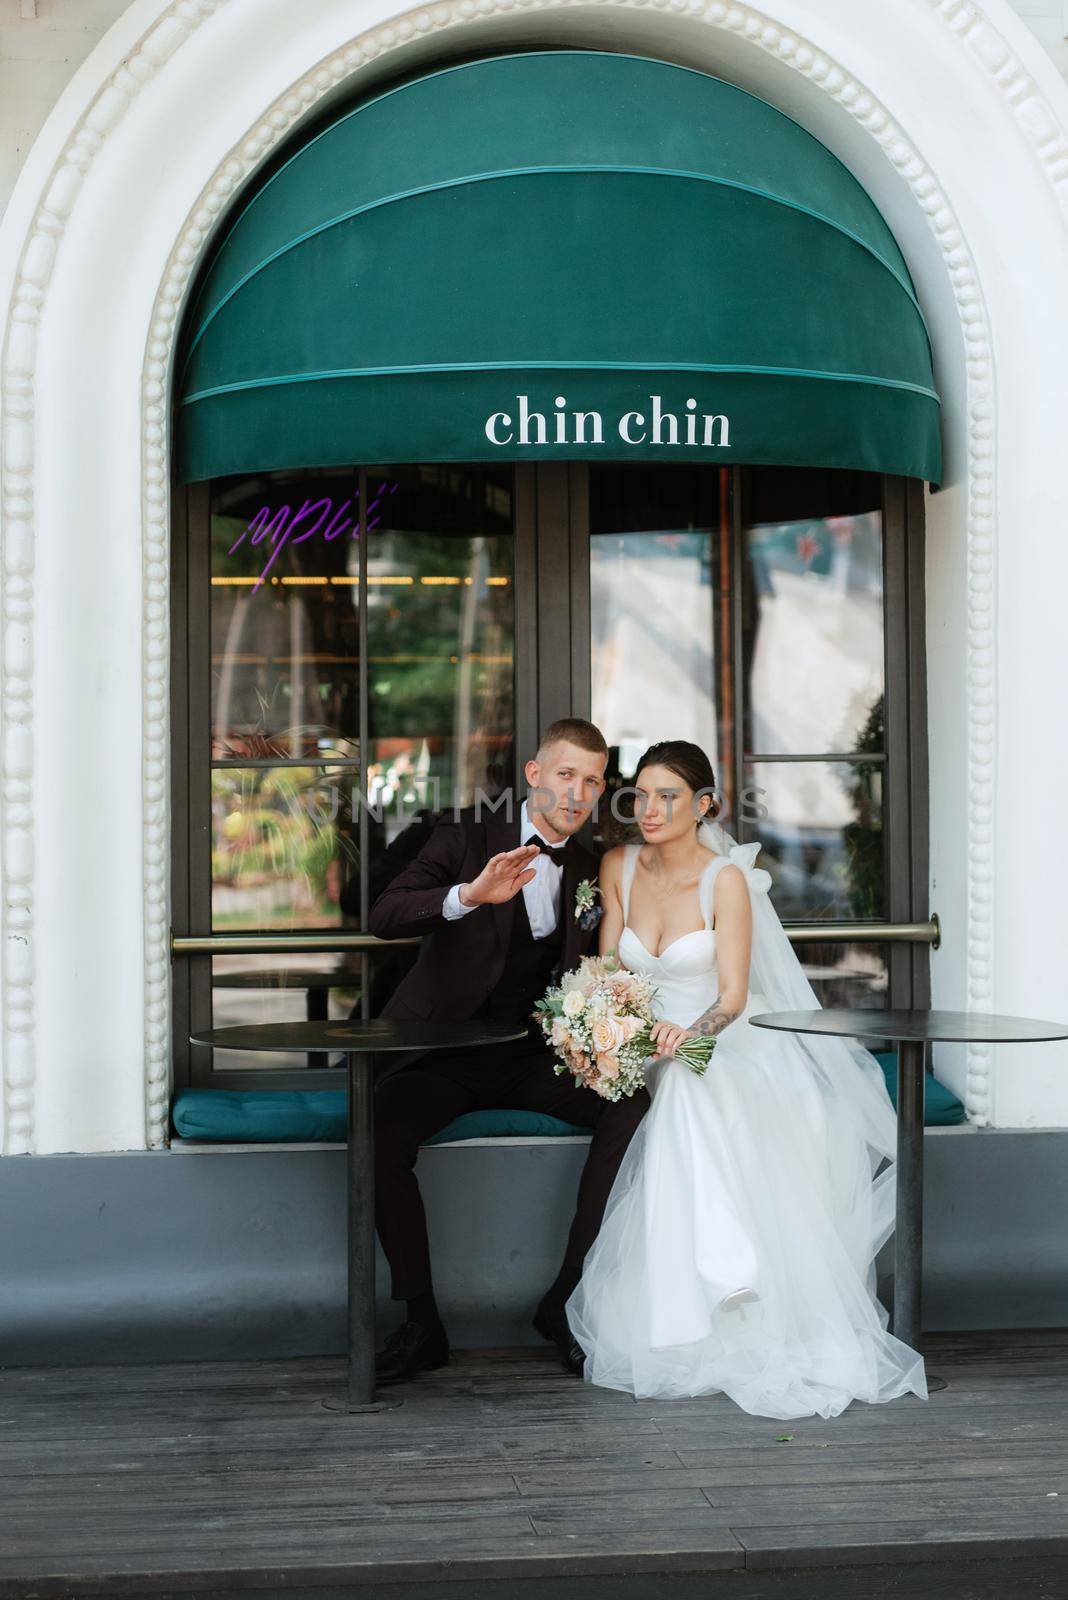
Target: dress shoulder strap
(630,861)
(707,885)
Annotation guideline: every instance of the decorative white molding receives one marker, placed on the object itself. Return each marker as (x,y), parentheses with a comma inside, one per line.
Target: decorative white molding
(968,21)
(1049,143)
(17,840)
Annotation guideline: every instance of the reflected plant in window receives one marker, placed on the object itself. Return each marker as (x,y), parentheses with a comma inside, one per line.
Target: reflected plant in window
(277,844)
(863,838)
(272,740)
(441,659)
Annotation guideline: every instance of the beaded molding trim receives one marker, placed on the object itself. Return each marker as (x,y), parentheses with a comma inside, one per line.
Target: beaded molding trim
(977,34)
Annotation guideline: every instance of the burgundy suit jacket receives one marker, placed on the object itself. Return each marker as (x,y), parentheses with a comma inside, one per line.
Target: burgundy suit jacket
(460,961)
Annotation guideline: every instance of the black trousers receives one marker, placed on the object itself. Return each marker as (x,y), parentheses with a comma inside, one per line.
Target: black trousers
(421,1099)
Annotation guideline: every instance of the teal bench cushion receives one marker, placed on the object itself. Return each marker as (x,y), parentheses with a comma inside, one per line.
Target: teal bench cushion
(941,1107)
(259,1116)
(507,1125)
(238,1116)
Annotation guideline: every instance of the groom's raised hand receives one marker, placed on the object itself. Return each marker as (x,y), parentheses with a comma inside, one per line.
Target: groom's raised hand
(502,877)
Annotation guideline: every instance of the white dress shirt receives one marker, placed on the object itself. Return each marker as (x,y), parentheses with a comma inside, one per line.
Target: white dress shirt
(541,894)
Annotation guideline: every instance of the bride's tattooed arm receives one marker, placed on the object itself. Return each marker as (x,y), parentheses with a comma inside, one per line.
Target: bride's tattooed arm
(667,1036)
(716,1018)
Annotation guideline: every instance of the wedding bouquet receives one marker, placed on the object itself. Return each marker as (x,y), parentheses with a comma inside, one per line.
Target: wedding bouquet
(599,1019)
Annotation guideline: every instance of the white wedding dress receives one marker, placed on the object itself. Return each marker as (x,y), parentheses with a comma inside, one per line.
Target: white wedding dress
(758,1175)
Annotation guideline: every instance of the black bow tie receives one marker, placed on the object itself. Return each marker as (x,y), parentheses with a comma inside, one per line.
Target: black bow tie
(555,852)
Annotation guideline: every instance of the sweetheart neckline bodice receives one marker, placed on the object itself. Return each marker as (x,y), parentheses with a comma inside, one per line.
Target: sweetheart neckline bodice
(693,933)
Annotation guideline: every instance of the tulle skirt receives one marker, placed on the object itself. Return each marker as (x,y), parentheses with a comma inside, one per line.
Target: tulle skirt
(754,1176)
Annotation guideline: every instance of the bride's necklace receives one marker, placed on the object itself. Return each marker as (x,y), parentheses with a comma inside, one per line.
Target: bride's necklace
(665,892)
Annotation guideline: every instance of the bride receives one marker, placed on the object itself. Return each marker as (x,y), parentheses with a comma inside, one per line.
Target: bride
(737,1250)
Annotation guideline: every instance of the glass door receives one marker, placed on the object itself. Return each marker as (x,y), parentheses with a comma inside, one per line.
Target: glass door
(754,611)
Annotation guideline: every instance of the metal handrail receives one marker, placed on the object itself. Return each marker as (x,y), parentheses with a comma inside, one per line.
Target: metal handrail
(929,932)
(188,944)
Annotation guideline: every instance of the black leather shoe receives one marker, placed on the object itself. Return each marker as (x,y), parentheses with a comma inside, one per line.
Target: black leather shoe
(413,1348)
(553,1326)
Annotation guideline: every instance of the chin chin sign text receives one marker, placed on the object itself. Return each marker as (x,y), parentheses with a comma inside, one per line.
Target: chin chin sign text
(650,426)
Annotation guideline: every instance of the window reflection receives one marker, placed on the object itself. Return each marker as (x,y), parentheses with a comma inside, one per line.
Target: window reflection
(312,987)
(853,976)
(684,562)
(821,827)
(284,624)
(659,593)
(813,610)
(283,841)
(440,631)
(315,750)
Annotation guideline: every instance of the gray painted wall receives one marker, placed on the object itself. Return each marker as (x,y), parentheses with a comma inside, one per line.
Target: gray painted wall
(214,1253)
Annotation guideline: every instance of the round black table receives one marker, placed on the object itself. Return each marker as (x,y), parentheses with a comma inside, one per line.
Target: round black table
(911,1030)
(359,1040)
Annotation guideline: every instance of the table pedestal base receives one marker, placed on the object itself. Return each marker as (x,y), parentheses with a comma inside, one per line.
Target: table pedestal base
(373,1405)
(360,1393)
(908,1234)
(361,1237)
(361,1039)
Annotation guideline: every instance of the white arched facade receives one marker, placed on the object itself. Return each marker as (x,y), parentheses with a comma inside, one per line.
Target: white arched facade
(949,114)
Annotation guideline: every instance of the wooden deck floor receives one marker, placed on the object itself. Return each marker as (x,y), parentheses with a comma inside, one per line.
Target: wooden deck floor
(226,1477)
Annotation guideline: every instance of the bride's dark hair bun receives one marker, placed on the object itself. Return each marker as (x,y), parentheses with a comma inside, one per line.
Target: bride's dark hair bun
(688,762)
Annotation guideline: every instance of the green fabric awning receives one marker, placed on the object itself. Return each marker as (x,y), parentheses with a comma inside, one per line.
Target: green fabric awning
(551,233)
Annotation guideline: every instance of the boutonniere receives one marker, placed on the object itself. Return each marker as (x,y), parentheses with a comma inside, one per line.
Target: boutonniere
(587,911)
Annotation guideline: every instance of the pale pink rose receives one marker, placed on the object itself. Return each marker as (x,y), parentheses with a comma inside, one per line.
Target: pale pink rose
(609,1066)
(561,1033)
(629,1027)
(607,1035)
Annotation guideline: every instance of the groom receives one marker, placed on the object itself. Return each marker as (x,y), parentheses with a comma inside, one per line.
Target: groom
(494,895)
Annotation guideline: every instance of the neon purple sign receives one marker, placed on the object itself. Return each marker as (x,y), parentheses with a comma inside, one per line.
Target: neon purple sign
(280,525)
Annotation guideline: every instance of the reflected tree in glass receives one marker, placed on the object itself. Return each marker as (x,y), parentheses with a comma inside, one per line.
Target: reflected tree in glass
(278,843)
(863,837)
(440,628)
